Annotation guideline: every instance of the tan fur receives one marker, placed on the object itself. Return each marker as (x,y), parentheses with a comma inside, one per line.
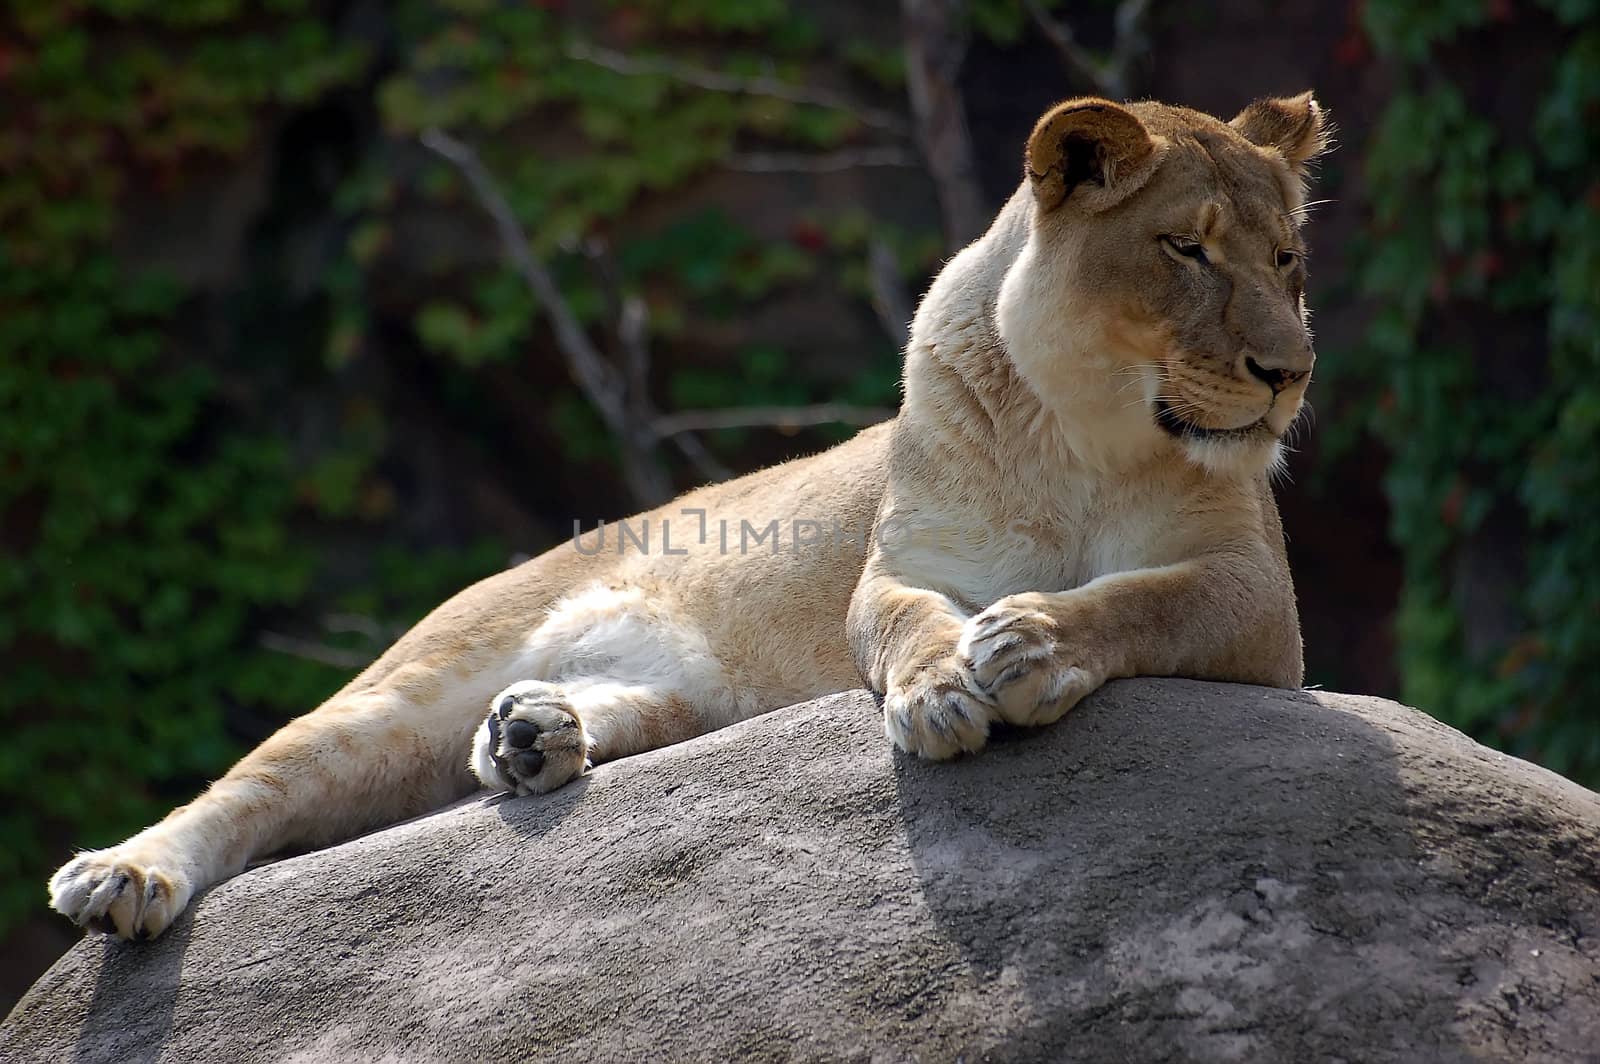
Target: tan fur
(1074,490)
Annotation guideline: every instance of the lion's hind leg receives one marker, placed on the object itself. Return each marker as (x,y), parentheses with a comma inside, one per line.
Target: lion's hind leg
(540,735)
(623,670)
(362,760)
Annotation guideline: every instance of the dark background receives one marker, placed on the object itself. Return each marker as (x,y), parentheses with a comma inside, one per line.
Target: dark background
(269,389)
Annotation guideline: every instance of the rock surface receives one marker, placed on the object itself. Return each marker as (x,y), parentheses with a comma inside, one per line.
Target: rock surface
(1177,871)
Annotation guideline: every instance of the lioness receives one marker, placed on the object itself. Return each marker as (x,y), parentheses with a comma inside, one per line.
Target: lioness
(1075,489)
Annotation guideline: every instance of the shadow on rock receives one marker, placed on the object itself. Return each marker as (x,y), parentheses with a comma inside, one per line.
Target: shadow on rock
(1167,874)
(535,814)
(129,1013)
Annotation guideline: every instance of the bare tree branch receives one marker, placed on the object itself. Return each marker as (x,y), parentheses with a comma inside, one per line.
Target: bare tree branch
(307,650)
(1130,43)
(799,162)
(1111,76)
(772,417)
(604,387)
(374,631)
(621,398)
(632,317)
(936,45)
(889,300)
(1060,34)
(703,460)
(716,81)
(633,332)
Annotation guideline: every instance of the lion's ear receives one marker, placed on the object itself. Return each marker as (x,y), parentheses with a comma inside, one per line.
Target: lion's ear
(1091,152)
(1295,126)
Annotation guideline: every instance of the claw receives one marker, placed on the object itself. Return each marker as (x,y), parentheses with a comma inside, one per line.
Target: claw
(1011,675)
(958,706)
(1006,645)
(989,622)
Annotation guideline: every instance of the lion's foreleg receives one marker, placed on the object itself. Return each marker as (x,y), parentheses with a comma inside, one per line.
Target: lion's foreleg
(1222,617)
(904,640)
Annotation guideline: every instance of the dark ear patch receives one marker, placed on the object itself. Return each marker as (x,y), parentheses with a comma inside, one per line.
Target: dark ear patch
(1091,151)
(1082,160)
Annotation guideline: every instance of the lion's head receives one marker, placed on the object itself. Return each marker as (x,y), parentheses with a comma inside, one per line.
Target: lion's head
(1160,296)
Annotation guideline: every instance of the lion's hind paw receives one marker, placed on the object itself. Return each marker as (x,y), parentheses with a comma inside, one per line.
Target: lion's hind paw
(531,742)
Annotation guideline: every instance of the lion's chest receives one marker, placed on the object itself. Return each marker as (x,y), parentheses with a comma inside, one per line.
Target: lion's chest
(979,557)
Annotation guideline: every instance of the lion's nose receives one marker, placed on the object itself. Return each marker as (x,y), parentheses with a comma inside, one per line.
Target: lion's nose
(1276,377)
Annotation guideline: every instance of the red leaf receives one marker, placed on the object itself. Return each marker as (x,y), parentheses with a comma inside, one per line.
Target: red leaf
(807,235)
(1450,508)
(1352,49)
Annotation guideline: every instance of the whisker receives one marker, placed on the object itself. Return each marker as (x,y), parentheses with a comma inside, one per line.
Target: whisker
(1136,372)
(1278,472)
(1306,208)
(1137,375)
(1175,401)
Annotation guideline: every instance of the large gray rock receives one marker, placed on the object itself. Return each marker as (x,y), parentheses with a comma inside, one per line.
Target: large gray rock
(1177,871)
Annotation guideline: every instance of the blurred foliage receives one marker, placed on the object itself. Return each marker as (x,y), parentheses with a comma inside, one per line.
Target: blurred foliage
(1495,462)
(494,69)
(156,493)
(143,533)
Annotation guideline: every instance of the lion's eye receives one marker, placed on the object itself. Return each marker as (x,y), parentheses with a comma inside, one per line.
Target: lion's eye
(1286,258)
(1191,249)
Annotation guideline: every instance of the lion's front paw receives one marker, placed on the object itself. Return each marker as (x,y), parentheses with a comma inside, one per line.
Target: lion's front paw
(133,890)
(1017,659)
(531,742)
(935,713)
